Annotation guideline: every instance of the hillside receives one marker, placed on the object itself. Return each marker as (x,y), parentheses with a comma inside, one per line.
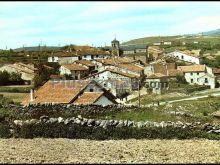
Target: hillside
(37,48)
(212,36)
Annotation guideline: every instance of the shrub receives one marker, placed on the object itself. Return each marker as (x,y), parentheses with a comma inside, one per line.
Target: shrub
(4,131)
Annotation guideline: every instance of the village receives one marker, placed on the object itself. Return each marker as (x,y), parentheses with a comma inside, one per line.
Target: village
(116,71)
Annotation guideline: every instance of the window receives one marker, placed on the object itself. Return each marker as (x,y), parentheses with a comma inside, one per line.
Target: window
(91,90)
(198,73)
(105,85)
(182,57)
(191,80)
(191,74)
(206,80)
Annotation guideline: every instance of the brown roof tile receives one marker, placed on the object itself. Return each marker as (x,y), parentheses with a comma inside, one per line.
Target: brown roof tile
(192,68)
(58,92)
(75,67)
(85,62)
(88,98)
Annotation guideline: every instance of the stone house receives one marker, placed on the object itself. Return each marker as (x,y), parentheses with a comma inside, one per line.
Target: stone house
(199,74)
(156,83)
(154,52)
(76,71)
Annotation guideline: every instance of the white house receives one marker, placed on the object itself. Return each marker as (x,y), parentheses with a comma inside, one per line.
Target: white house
(199,74)
(116,81)
(183,56)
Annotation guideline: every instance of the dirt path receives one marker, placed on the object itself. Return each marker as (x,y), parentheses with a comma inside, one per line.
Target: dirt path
(121,151)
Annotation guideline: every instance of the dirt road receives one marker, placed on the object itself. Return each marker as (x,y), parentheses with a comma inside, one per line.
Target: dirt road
(121,151)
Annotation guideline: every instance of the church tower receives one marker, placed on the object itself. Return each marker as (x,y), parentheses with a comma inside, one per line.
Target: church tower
(115,48)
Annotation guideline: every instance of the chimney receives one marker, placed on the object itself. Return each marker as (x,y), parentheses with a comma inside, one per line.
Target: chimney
(32,95)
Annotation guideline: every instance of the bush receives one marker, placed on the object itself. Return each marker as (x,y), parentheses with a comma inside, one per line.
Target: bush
(4,131)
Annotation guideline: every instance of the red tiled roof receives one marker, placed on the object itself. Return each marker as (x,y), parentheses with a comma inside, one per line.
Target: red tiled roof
(58,92)
(216,70)
(74,67)
(85,62)
(156,76)
(88,98)
(192,68)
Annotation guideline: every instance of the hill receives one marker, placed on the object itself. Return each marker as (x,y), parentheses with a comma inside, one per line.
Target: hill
(210,36)
(37,48)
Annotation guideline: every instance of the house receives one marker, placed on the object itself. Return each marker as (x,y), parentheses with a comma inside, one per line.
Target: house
(185,56)
(115,62)
(156,83)
(63,57)
(167,43)
(86,63)
(216,72)
(154,52)
(199,74)
(76,71)
(116,81)
(27,71)
(168,69)
(74,53)
(77,92)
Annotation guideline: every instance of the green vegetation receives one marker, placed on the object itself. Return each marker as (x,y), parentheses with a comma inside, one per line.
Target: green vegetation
(15,89)
(43,73)
(211,63)
(10,78)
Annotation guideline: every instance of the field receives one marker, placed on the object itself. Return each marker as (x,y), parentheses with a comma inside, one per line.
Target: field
(121,151)
(16,97)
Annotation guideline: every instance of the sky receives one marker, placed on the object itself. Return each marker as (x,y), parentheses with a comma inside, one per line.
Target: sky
(97,23)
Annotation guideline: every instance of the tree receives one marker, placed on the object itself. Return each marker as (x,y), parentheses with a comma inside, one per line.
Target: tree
(4,77)
(180,78)
(15,78)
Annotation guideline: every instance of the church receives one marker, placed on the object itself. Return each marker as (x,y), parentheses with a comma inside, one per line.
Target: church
(135,52)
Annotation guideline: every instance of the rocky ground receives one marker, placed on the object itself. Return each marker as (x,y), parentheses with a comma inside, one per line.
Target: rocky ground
(41,150)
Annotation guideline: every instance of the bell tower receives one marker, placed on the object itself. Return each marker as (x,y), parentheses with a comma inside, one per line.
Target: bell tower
(115,48)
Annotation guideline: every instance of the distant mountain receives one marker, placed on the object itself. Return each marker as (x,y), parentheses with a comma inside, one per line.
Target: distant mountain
(212,32)
(37,48)
(214,36)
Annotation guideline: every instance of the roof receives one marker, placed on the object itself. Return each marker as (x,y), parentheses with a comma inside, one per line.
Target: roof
(131,67)
(115,61)
(75,67)
(133,47)
(88,98)
(85,62)
(121,73)
(156,75)
(216,70)
(58,92)
(187,52)
(192,68)
(155,49)
(63,91)
(216,113)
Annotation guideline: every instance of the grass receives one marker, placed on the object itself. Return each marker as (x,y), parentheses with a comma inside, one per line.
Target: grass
(201,109)
(16,89)
(16,97)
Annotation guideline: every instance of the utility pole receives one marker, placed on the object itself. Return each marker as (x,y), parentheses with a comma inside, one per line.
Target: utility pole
(139,95)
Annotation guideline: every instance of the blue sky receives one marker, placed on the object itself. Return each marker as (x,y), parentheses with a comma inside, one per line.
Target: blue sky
(97,23)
